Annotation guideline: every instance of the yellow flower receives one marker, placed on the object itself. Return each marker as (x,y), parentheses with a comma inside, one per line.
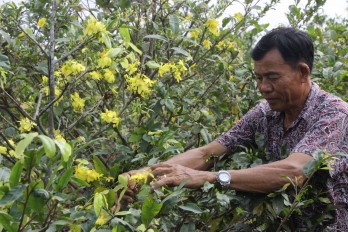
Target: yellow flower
(132,68)
(3,150)
(77,102)
(109,178)
(141,178)
(194,34)
(58,135)
(72,67)
(110,117)
(26,125)
(181,66)
(86,174)
(41,22)
(104,60)
(14,154)
(12,143)
(164,69)
(139,84)
(102,218)
(94,27)
(206,44)
(212,25)
(109,75)
(177,76)
(96,75)
(238,16)
(44,80)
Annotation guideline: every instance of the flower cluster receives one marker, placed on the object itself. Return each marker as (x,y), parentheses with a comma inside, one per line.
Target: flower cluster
(26,125)
(41,22)
(177,69)
(110,117)
(84,173)
(139,83)
(207,44)
(141,178)
(194,34)
(72,67)
(104,60)
(94,27)
(212,25)
(77,102)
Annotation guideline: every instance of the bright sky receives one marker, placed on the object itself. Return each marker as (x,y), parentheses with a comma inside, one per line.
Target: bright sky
(276,16)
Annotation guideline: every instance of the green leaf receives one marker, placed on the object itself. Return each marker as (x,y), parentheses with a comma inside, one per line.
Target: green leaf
(65,149)
(309,168)
(38,199)
(14,194)
(159,37)
(124,32)
(174,23)
(149,210)
(205,135)
(122,180)
(48,143)
(16,173)
(114,52)
(64,179)
(99,166)
(8,222)
(135,48)
(181,51)
(106,39)
(192,207)
(99,203)
(152,64)
(4,174)
(24,143)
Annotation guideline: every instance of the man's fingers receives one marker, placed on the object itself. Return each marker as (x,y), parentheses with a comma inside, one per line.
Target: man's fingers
(162,181)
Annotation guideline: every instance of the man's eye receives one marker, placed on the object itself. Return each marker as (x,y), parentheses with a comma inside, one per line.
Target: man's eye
(273,76)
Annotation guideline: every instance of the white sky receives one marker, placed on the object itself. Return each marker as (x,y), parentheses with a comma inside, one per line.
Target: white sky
(276,16)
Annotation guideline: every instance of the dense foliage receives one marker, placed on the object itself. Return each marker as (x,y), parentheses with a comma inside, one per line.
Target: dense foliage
(89,90)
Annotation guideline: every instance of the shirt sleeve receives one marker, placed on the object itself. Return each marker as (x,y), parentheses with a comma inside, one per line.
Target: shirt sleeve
(243,133)
(329,133)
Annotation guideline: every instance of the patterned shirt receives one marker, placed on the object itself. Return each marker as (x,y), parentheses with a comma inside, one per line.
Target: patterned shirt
(321,125)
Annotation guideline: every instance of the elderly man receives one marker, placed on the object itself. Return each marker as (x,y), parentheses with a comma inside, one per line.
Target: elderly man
(295,114)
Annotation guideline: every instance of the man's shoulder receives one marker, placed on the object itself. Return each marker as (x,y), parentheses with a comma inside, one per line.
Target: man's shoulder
(328,102)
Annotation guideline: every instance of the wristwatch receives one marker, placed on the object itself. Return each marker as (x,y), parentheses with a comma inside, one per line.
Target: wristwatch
(223,179)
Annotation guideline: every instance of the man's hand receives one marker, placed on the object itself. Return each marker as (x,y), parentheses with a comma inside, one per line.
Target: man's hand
(175,174)
(133,187)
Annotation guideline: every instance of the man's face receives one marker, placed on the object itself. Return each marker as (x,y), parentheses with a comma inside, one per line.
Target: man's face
(279,83)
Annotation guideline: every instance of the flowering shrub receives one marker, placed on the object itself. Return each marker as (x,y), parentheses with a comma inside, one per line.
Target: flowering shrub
(90,92)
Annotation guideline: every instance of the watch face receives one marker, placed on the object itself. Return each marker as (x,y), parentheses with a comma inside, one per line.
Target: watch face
(224,177)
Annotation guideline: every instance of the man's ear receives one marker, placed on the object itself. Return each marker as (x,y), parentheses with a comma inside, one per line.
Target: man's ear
(305,71)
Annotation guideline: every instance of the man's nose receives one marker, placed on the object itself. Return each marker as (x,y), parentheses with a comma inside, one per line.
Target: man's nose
(264,86)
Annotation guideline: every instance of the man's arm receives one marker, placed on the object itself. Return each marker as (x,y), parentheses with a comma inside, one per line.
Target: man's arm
(199,158)
(263,178)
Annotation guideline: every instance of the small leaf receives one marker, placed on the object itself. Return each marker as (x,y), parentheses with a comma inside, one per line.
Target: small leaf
(14,194)
(174,23)
(152,64)
(149,210)
(65,149)
(16,173)
(135,48)
(309,168)
(24,143)
(324,200)
(181,51)
(4,174)
(114,52)
(8,222)
(123,180)
(99,165)
(192,207)
(124,32)
(159,37)
(99,203)
(64,179)
(49,146)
